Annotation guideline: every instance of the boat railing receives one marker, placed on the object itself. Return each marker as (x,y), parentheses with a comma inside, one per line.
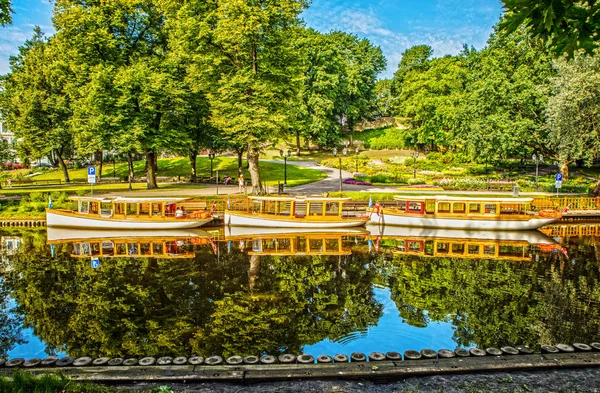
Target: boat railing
(570,203)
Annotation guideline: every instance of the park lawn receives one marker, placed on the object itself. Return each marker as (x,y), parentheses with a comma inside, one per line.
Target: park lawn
(173,167)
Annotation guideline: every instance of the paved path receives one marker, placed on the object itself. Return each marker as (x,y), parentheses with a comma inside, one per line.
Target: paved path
(330,184)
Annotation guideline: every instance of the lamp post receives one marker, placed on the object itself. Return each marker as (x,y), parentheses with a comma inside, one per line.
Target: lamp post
(211,155)
(415,155)
(344,152)
(285,157)
(537,158)
(356,159)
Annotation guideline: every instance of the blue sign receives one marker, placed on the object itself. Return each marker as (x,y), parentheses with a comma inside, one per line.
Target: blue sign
(95,263)
(92,170)
(558,177)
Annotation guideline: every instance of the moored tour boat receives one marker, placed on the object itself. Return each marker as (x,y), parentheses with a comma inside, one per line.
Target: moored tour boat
(105,243)
(507,214)
(293,212)
(128,213)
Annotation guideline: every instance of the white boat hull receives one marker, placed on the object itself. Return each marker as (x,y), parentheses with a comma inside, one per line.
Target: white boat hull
(248,221)
(533,237)
(453,223)
(55,219)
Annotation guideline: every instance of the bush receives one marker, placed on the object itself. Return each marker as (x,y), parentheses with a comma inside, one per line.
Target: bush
(413,181)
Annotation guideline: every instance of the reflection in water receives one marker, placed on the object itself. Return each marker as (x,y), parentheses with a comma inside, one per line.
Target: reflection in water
(240,293)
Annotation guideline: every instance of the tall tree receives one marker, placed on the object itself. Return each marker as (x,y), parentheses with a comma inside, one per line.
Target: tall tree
(243,51)
(567,25)
(574,111)
(120,45)
(416,58)
(35,102)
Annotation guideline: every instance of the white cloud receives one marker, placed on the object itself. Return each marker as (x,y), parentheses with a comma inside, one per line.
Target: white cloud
(455,23)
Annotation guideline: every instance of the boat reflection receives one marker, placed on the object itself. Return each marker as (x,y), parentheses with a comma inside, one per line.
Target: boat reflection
(175,243)
(456,243)
(282,242)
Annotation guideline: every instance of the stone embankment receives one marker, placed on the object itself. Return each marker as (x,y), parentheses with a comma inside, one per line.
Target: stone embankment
(377,366)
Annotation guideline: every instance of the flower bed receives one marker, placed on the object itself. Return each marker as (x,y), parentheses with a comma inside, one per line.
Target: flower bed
(357,182)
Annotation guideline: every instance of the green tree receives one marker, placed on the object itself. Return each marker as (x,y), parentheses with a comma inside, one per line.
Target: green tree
(5,12)
(416,58)
(385,102)
(567,25)
(502,114)
(429,102)
(120,51)
(35,101)
(573,110)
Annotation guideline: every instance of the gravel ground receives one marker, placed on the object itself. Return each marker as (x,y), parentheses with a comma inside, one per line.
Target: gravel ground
(560,380)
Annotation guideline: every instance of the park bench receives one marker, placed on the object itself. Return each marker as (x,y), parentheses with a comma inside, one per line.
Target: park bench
(110,179)
(500,185)
(79,180)
(26,182)
(47,182)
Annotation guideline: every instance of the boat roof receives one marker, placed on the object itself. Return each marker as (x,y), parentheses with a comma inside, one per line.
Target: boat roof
(105,199)
(461,199)
(299,199)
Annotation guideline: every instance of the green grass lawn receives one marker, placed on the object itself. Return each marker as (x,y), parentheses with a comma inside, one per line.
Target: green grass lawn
(172,167)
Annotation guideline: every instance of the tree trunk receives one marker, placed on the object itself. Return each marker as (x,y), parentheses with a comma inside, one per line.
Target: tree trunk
(192,157)
(130,167)
(298,142)
(100,167)
(564,169)
(253,155)
(63,166)
(151,170)
(254,270)
(240,161)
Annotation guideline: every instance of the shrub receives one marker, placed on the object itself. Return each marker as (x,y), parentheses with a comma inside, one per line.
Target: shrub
(412,181)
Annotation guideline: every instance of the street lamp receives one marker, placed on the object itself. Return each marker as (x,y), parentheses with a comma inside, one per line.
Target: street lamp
(415,155)
(537,158)
(344,152)
(285,157)
(211,155)
(356,159)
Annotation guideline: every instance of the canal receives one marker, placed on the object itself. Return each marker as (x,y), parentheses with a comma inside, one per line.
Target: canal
(240,292)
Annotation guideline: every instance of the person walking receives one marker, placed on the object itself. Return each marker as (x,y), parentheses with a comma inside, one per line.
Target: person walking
(241,183)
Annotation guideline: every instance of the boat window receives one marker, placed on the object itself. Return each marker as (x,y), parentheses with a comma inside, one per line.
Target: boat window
(84,207)
(131,209)
(301,244)
(284,208)
(156,209)
(510,208)
(106,209)
(458,248)
(144,209)
(473,249)
(489,250)
(85,249)
(430,205)
(490,208)
(511,251)
(171,248)
(285,245)
(428,247)
(443,248)
(157,249)
(270,245)
(474,208)
(414,207)
(119,208)
(415,246)
(108,248)
(95,248)
(145,248)
(332,208)
(121,249)
(316,208)
(444,207)
(316,245)
(401,246)
(76,249)
(132,248)
(257,245)
(332,245)
(94,207)
(458,207)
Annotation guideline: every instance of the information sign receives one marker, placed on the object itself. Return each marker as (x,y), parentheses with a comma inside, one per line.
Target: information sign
(95,263)
(92,174)
(558,184)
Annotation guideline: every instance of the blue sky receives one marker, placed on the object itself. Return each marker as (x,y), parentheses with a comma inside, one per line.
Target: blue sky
(394,25)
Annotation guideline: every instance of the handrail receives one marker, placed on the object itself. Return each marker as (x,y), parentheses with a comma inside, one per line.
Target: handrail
(567,203)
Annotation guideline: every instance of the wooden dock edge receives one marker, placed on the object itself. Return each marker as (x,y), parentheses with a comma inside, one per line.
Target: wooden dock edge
(377,371)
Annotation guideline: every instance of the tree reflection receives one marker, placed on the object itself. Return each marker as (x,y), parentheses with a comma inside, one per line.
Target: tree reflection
(226,303)
(493,303)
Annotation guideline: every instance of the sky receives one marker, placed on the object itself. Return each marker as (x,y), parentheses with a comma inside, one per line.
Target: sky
(393,25)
